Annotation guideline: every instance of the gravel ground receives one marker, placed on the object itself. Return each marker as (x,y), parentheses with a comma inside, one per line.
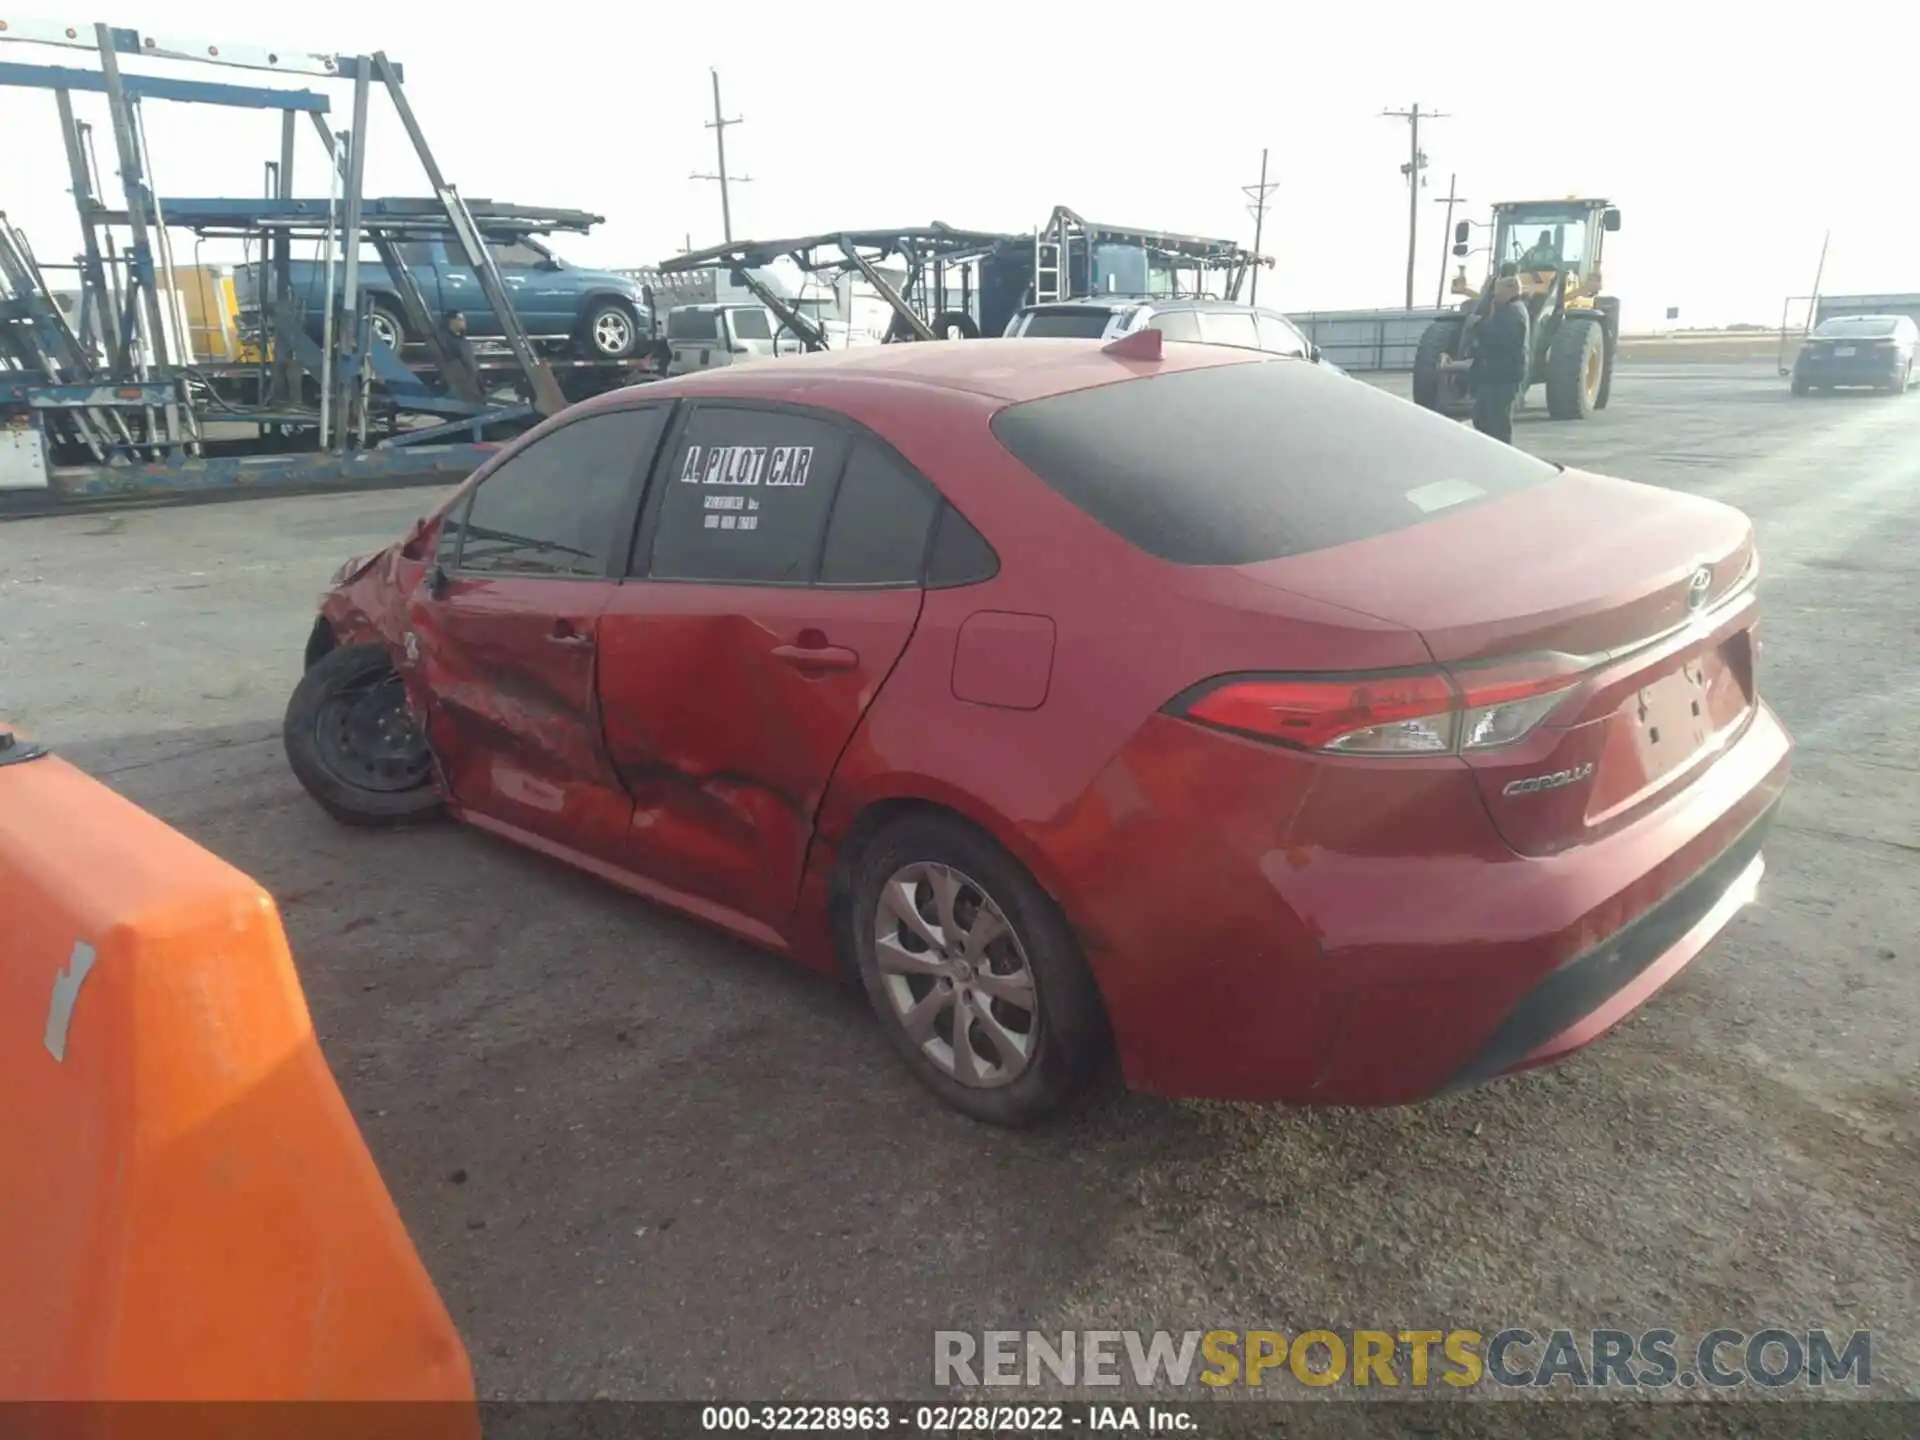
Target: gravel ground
(643,1161)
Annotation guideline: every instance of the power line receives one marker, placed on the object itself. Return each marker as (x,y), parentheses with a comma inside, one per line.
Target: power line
(1414,171)
(719,125)
(1446,239)
(1257,196)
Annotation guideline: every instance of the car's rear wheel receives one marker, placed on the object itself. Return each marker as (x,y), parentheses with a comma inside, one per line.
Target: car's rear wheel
(974,972)
(353,744)
(1901,382)
(1798,384)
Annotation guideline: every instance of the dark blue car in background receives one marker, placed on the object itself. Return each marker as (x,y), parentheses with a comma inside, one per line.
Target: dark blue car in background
(595,313)
(1867,351)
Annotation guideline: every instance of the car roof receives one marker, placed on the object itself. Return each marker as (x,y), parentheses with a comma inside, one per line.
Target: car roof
(1006,371)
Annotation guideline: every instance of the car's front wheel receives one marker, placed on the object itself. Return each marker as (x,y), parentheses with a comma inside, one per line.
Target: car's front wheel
(387,327)
(974,972)
(611,331)
(354,745)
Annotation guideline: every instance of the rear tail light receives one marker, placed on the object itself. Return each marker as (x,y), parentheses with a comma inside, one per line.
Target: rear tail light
(1420,712)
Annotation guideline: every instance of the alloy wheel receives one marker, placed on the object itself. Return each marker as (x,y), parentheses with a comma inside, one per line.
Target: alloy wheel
(612,332)
(956,974)
(386,330)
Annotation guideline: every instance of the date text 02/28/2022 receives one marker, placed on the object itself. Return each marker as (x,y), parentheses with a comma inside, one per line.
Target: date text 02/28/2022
(945,1419)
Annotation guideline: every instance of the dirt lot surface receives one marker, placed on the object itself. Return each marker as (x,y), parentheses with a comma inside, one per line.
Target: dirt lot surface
(643,1161)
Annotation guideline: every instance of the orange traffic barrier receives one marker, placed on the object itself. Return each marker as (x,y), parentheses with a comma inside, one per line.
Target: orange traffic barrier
(187,1210)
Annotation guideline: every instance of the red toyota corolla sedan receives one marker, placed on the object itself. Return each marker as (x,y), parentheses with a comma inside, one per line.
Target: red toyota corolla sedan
(1208,709)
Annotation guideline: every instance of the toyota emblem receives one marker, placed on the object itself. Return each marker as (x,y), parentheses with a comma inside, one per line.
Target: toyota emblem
(1698,586)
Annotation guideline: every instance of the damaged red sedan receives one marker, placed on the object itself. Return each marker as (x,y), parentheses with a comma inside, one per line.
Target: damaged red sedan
(1192,707)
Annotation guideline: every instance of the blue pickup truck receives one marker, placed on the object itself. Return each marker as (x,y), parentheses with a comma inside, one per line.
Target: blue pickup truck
(596,313)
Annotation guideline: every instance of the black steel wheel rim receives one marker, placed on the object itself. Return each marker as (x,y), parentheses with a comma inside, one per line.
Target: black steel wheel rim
(367,738)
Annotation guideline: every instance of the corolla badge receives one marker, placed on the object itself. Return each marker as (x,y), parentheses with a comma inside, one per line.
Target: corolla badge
(1558,780)
(1697,587)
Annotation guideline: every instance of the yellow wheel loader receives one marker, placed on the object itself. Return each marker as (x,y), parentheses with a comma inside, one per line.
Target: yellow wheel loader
(1553,248)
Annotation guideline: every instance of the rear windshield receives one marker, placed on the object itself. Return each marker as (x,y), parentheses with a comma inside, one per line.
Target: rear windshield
(1078,324)
(1235,464)
(1868,325)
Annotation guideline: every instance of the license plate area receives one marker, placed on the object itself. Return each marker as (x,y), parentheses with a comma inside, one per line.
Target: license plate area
(1672,721)
(1841,352)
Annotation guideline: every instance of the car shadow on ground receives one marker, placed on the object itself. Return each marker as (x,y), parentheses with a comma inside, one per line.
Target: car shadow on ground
(642,1160)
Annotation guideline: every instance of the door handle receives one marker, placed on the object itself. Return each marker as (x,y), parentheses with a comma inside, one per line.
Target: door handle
(817,657)
(563,633)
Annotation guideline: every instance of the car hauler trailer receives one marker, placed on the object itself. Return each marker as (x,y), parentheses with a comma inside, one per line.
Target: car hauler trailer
(960,284)
(108,402)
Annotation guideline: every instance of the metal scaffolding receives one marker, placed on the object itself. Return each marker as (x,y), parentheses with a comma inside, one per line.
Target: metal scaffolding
(118,384)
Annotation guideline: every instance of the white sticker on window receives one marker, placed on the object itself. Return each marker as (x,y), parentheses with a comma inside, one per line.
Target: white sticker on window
(1442,493)
(734,465)
(791,465)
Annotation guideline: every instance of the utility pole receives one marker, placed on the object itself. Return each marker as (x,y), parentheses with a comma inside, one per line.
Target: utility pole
(718,125)
(1413,170)
(1819,271)
(1446,242)
(1257,196)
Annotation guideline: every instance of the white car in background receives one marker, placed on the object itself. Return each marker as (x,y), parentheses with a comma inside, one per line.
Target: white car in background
(1207,322)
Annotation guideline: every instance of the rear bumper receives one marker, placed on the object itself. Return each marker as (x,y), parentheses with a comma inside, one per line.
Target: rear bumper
(1592,993)
(1860,370)
(1257,953)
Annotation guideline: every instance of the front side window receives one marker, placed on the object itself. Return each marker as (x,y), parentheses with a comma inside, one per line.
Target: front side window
(1278,337)
(688,323)
(751,325)
(553,509)
(744,496)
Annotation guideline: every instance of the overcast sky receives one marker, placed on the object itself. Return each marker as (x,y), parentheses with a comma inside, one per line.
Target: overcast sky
(1729,140)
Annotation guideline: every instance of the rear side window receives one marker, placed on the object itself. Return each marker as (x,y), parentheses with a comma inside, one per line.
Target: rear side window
(744,496)
(882,515)
(1176,325)
(1235,464)
(1084,323)
(554,508)
(961,554)
(1229,327)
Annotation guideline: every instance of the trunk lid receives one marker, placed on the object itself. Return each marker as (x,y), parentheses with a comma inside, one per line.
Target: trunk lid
(1645,594)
